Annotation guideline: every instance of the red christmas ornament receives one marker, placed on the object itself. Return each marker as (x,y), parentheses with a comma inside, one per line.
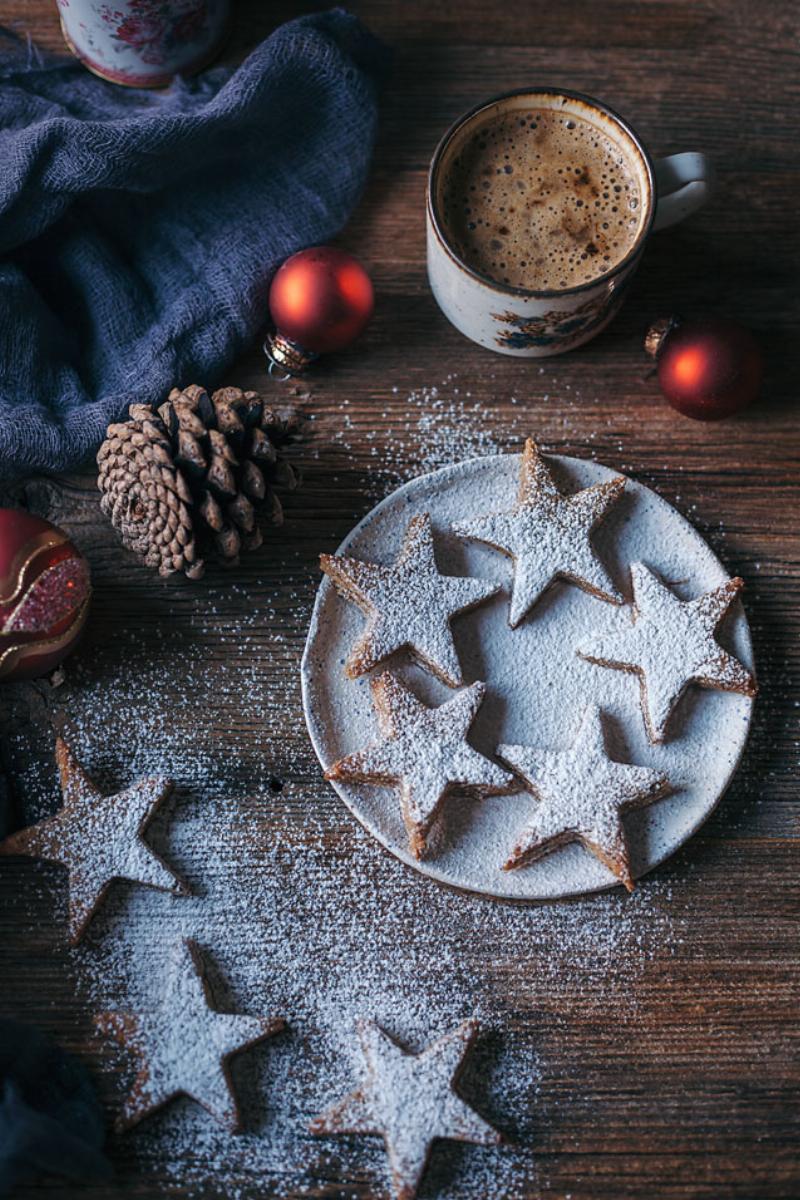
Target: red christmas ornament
(44,595)
(708,368)
(320,301)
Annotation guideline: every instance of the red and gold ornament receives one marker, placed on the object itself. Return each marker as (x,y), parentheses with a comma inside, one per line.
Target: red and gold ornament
(320,300)
(708,368)
(44,595)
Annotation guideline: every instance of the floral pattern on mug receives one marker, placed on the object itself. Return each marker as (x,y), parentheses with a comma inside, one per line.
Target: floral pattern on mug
(556,326)
(156,28)
(144,43)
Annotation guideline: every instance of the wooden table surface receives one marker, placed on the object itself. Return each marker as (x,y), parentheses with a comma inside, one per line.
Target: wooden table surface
(696,1094)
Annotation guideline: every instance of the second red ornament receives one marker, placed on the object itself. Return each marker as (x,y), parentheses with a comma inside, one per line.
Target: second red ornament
(320,300)
(708,368)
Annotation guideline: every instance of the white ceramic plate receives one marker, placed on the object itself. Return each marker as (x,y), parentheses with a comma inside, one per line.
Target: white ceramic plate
(537,686)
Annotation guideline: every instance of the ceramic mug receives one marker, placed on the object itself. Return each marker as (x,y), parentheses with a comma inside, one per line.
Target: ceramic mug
(535,324)
(144,43)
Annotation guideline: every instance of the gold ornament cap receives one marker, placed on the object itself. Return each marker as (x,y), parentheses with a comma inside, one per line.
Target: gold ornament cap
(658,333)
(286,358)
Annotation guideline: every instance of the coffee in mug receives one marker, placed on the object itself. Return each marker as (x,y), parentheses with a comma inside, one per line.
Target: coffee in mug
(544,200)
(539,204)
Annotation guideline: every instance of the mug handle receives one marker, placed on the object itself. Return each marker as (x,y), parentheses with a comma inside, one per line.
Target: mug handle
(683,183)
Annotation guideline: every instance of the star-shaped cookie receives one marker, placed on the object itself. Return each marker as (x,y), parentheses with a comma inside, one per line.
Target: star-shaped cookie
(583,795)
(424,752)
(410,1101)
(408,604)
(97,838)
(183,1046)
(670,644)
(547,534)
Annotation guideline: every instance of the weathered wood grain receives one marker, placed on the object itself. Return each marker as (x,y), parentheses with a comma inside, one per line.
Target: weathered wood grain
(692,1094)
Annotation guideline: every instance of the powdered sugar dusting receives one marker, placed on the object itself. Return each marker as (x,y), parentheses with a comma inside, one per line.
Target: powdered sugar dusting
(409,1099)
(317,923)
(438,424)
(424,751)
(671,643)
(536,683)
(582,796)
(324,927)
(547,534)
(97,838)
(409,604)
(303,914)
(182,1044)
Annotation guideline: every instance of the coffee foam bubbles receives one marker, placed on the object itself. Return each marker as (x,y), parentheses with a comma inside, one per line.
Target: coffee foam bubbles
(541,200)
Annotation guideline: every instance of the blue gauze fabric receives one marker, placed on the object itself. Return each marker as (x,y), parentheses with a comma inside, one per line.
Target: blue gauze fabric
(139,230)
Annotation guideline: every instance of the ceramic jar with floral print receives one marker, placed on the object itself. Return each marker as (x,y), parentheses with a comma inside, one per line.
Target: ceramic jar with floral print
(144,43)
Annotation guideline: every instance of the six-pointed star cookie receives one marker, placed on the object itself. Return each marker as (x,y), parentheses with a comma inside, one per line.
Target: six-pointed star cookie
(408,605)
(425,752)
(410,1101)
(547,535)
(582,796)
(97,838)
(670,644)
(183,1046)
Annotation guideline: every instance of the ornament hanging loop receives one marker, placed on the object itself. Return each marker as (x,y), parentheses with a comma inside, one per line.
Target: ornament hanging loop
(286,358)
(274,370)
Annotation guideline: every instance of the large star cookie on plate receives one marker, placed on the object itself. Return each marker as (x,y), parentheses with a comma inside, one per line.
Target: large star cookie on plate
(547,534)
(424,752)
(582,797)
(409,1100)
(408,604)
(670,644)
(97,838)
(183,1045)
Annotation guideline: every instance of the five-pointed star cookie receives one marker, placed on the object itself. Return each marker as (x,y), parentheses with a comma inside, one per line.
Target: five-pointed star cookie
(182,1047)
(547,535)
(669,643)
(410,1101)
(408,605)
(582,797)
(425,752)
(97,838)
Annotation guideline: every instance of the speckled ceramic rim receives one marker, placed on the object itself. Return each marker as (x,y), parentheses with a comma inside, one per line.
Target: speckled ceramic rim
(580,98)
(428,867)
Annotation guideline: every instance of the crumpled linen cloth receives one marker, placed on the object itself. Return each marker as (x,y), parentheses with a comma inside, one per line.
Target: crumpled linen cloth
(139,230)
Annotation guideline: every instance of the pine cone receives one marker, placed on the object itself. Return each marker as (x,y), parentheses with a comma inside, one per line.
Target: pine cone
(189,473)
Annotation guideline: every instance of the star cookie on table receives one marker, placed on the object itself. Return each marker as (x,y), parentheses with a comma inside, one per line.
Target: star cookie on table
(97,838)
(183,1046)
(424,752)
(583,795)
(547,534)
(409,1100)
(408,604)
(670,644)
